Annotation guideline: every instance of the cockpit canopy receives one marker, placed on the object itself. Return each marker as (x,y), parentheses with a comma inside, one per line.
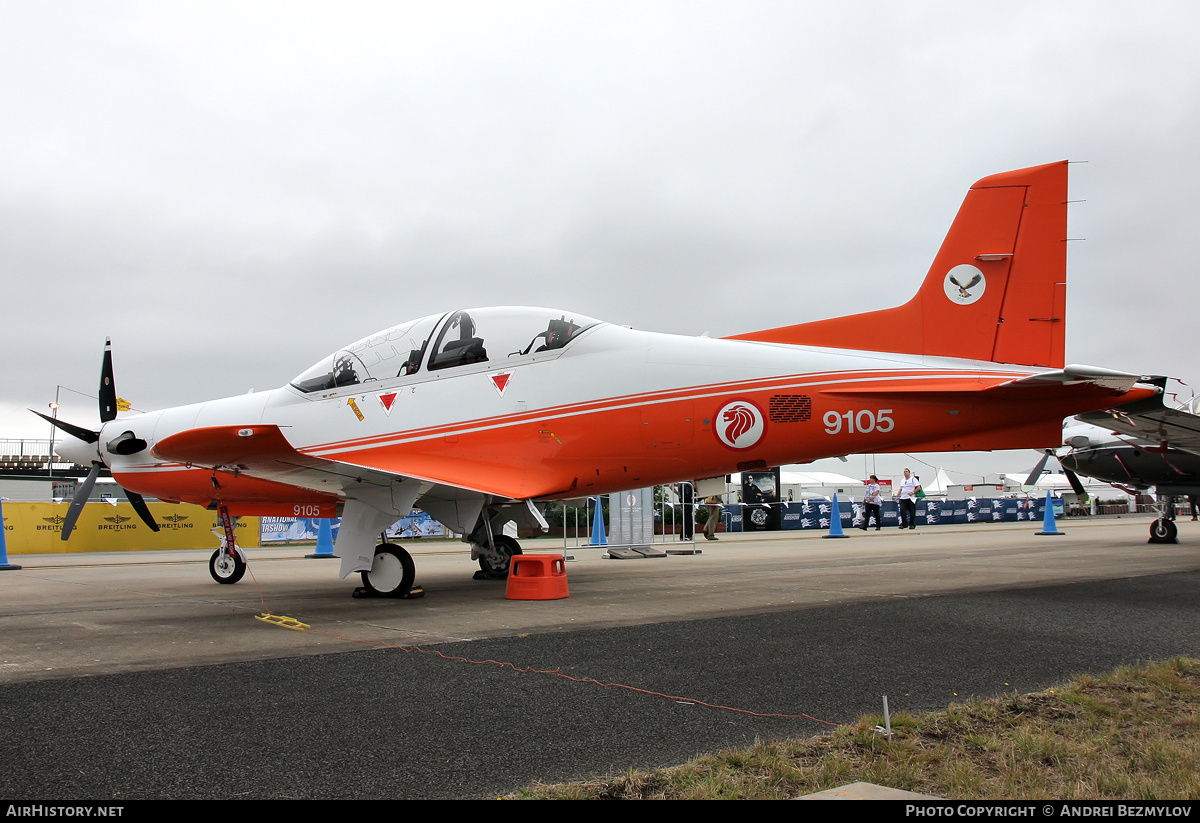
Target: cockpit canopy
(445,341)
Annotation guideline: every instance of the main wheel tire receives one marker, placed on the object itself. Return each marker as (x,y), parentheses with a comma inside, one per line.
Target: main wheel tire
(1163,531)
(507,547)
(392,572)
(225,568)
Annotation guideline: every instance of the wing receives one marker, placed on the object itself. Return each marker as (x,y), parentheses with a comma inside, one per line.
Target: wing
(263,451)
(374,496)
(450,489)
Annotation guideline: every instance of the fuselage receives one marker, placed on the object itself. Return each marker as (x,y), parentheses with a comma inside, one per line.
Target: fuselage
(614,409)
(1126,461)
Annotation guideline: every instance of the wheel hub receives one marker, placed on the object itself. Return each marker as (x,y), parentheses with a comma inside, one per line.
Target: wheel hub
(386,572)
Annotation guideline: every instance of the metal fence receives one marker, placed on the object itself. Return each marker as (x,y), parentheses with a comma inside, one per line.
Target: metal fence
(668,523)
(23,448)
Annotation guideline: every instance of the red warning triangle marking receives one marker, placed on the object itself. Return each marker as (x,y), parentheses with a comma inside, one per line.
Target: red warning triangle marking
(387,400)
(500,381)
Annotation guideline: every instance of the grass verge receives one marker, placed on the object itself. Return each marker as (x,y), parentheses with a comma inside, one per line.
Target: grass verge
(1133,734)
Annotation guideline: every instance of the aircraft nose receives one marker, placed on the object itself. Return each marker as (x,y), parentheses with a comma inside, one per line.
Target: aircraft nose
(77,451)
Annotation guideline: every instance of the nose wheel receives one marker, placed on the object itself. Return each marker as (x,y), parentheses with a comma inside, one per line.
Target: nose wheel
(1163,531)
(225,567)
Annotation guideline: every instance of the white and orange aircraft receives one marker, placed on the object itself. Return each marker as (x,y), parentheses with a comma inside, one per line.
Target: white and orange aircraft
(478,416)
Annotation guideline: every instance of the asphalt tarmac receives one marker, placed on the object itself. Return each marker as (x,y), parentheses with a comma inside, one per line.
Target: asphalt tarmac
(135,676)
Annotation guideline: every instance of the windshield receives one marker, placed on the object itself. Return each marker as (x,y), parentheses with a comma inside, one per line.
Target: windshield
(391,353)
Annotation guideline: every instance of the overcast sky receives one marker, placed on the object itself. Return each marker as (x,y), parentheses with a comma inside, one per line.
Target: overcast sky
(233,190)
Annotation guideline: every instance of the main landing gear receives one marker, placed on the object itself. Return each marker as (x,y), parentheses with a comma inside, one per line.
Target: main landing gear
(494,564)
(392,572)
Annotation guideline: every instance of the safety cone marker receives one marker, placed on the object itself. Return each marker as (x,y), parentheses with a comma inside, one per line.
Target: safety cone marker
(1048,526)
(324,540)
(5,566)
(598,538)
(835,521)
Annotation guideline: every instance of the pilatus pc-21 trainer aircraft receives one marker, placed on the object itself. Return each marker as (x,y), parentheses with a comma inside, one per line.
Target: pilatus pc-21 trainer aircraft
(478,416)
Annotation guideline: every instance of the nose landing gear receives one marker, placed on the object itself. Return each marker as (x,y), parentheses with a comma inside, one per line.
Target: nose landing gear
(1163,530)
(227,565)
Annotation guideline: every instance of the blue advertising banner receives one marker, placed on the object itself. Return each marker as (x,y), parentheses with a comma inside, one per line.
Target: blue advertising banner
(816,513)
(417,524)
(293,529)
(304,529)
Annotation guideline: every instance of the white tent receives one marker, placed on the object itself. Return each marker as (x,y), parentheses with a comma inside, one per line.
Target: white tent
(937,488)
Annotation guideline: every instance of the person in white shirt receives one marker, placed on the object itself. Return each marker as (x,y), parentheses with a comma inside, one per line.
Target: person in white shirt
(871,504)
(909,487)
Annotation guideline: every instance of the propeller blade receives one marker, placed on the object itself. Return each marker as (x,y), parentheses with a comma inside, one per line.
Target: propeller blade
(1037,472)
(86,435)
(1076,485)
(139,506)
(81,497)
(108,390)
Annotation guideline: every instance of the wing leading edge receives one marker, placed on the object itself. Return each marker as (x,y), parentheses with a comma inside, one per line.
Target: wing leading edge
(264,451)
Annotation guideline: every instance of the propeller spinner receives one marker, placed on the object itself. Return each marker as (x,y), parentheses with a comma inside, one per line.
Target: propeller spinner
(87,448)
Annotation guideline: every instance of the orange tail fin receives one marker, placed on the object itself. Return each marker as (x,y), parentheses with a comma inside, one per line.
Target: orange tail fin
(996,290)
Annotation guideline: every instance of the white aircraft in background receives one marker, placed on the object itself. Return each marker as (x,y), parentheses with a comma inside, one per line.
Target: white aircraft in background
(1144,445)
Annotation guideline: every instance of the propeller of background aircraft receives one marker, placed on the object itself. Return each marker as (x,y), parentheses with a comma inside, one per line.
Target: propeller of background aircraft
(1072,478)
(124,444)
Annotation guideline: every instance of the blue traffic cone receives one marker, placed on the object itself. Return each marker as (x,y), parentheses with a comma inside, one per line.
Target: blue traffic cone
(324,540)
(1048,526)
(4,564)
(598,538)
(835,521)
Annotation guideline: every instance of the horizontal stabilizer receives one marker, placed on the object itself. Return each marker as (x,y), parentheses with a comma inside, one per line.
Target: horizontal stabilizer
(1118,382)
(1074,376)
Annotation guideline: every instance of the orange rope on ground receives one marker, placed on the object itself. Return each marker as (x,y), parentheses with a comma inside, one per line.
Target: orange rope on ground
(261,597)
(558,673)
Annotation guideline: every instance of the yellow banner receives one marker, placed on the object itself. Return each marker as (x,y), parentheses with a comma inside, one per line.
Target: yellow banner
(36,528)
